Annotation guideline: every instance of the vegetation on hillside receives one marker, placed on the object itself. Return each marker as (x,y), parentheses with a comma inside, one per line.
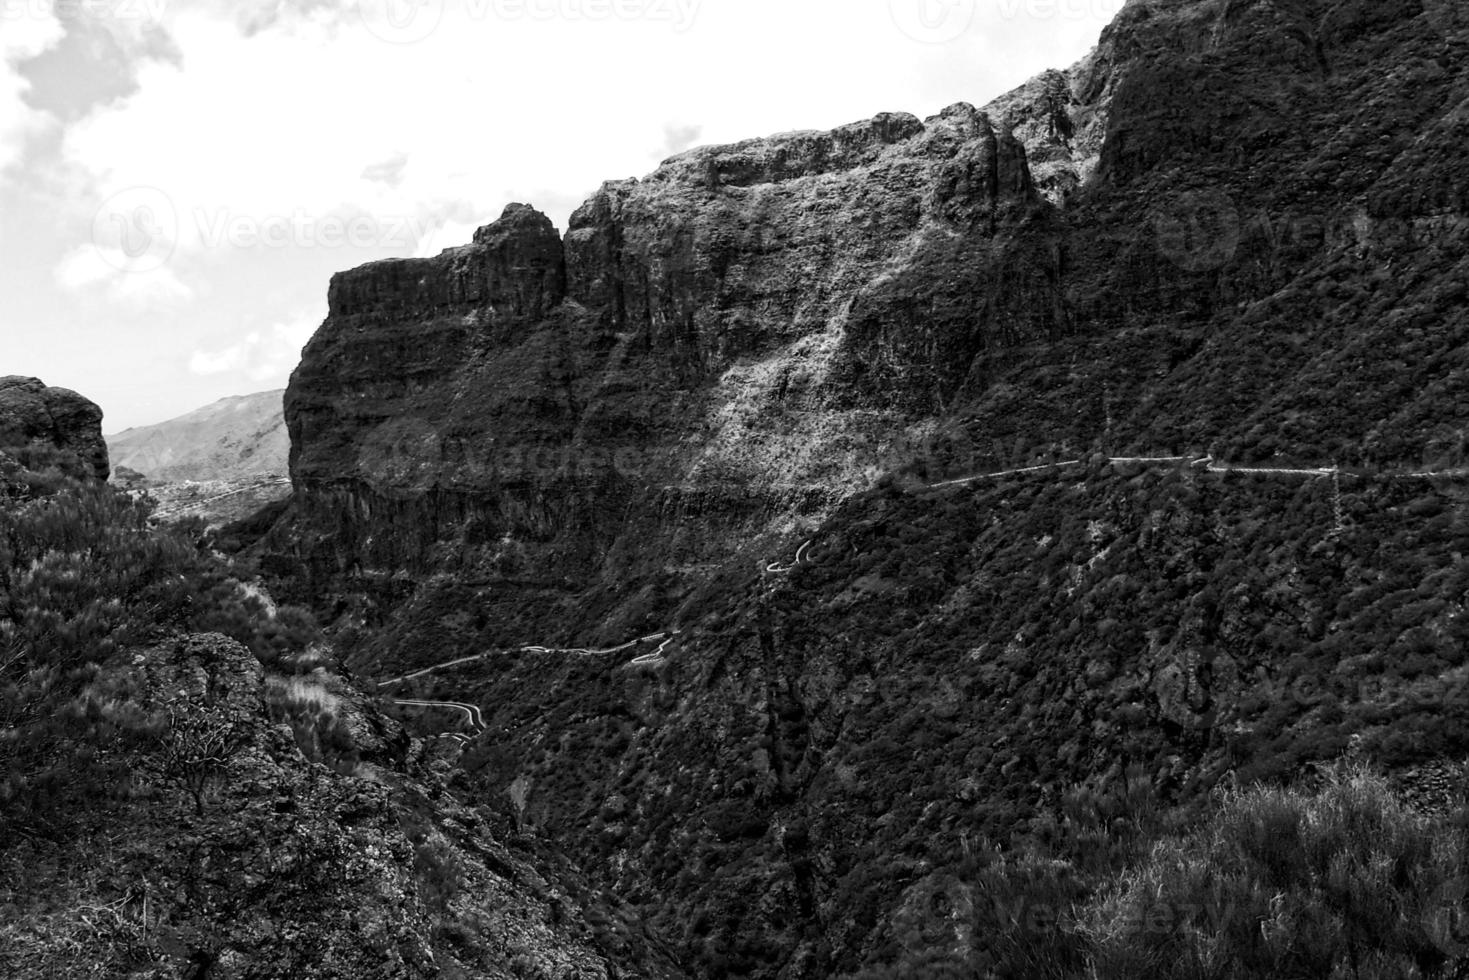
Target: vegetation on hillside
(168,807)
(1333,880)
(84,579)
(1017,670)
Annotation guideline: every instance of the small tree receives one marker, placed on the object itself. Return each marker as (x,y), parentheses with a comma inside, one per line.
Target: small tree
(197,748)
(519,793)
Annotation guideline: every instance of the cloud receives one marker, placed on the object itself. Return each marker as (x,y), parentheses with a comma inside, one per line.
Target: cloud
(678,137)
(389,171)
(446,234)
(271,109)
(225,144)
(25,32)
(93,268)
(261,355)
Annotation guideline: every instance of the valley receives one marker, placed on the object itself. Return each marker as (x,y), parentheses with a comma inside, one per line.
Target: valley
(924,548)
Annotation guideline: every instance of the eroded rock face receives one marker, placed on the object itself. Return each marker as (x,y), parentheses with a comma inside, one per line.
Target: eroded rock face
(34,415)
(732,340)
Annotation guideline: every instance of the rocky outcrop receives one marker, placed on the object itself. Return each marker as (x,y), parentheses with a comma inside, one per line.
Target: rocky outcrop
(514,267)
(36,417)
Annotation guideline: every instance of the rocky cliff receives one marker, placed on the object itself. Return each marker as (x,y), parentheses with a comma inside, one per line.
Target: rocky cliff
(34,417)
(1125,254)
(1236,229)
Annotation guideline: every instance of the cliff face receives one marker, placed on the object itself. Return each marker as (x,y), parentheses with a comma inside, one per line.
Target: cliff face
(727,347)
(33,416)
(1236,228)
(708,352)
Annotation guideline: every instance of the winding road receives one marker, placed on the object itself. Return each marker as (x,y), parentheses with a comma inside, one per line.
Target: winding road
(1209,464)
(665,636)
(776,568)
(476,718)
(471,712)
(991,476)
(656,657)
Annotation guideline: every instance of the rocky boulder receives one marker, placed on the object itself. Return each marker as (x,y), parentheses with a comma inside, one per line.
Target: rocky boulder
(36,417)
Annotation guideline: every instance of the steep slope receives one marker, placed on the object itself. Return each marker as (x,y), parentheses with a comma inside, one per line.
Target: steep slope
(171,807)
(236,438)
(948,672)
(333,853)
(1236,230)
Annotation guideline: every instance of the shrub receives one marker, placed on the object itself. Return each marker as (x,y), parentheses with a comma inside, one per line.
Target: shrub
(1282,882)
(196,750)
(83,576)
(316,718)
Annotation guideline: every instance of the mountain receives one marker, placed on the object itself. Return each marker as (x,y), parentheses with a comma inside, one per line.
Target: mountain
(1224,231)
(237,438)
(1199,300)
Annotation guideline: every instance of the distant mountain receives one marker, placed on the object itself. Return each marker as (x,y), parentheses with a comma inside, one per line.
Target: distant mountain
(239,437)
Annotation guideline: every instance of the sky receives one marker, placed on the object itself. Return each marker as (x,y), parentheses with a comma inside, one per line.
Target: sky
(180,178)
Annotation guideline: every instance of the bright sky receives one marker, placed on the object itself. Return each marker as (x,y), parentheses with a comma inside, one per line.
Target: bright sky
(180,178)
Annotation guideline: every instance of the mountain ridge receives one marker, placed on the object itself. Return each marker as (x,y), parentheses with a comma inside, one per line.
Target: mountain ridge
(236,437)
